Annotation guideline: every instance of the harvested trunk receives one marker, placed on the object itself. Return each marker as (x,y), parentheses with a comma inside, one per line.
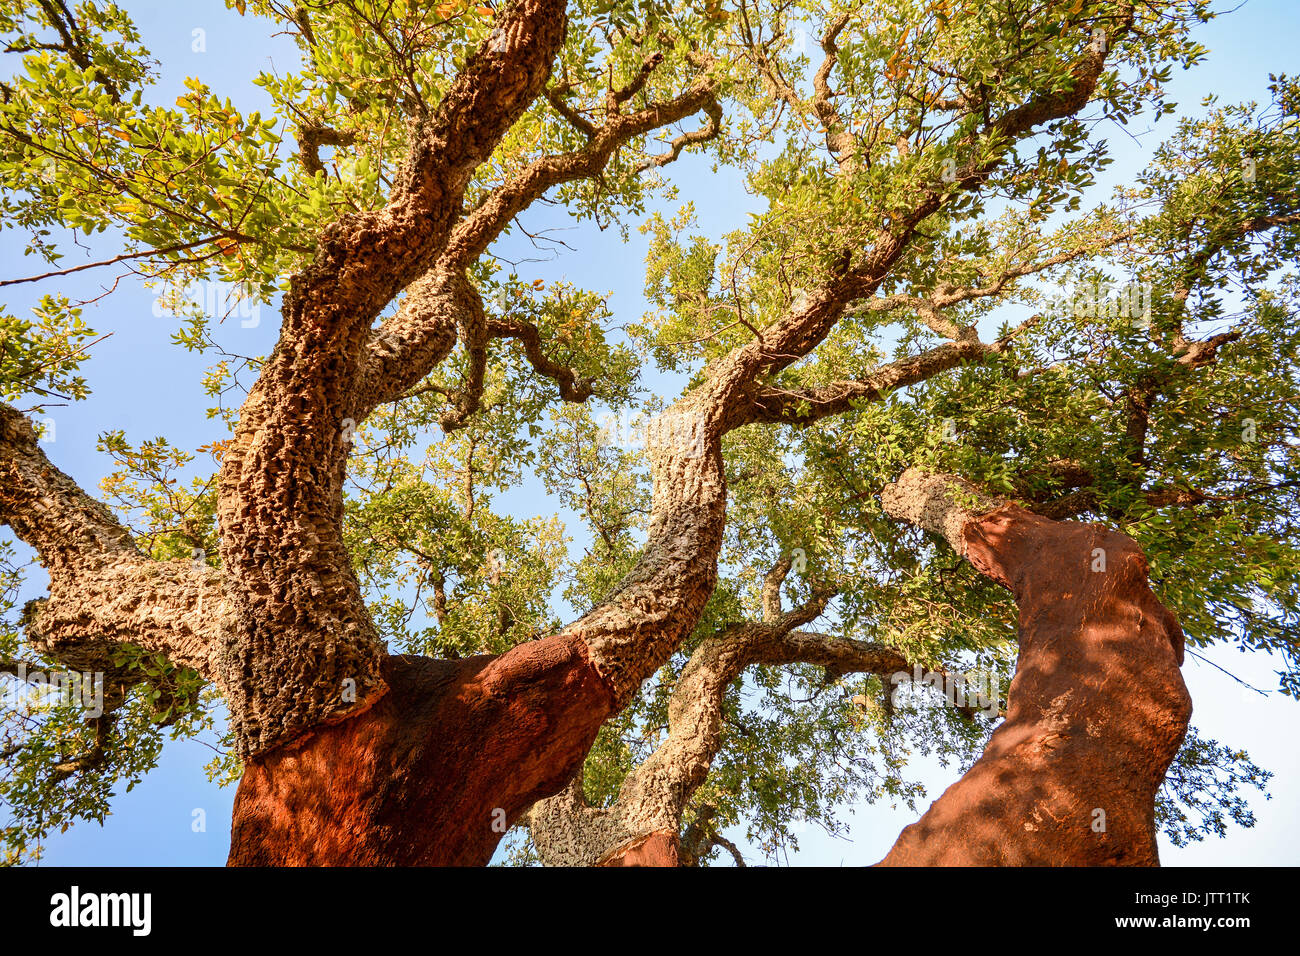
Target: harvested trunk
(434,772)
(653,849)
(1097,709)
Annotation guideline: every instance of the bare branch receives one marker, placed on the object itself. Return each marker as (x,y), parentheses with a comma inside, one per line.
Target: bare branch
(573,388)
(705,133)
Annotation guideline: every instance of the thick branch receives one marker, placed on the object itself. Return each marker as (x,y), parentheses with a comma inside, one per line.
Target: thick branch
(411,344)
(304,649)
(102,592)
(713,110)
(1097,708)
(654,796)
(839,140)
(807,405)
(807,323)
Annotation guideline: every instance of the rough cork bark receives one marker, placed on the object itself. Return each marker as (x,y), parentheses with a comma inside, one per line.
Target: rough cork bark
(339,740)
(643,826)
(298,647)
(103,591)
(1097,709)
(455,750)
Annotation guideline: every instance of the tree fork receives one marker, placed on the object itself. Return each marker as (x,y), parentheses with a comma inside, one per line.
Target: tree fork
(1096,711)
(434,772)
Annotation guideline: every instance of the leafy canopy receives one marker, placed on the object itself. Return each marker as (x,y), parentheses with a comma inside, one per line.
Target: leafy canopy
(1083,410)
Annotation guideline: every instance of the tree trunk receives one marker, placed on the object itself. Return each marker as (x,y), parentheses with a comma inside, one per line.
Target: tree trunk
(653,849)
(1097,709)
(434,772)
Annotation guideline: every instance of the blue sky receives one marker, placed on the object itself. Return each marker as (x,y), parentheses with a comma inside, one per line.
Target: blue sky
(147,387)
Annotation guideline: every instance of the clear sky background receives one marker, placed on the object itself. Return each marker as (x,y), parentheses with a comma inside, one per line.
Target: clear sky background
(147,387)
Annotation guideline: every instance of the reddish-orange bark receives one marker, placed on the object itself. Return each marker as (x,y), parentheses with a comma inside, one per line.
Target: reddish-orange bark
(433,771)
(653,849)
(1096,711)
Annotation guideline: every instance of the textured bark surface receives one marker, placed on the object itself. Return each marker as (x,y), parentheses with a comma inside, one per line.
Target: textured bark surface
(299,648)
(641,827)
(636,628)
(283,629)
(103,592)
(653,849)
(434,771)
(1096,711)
